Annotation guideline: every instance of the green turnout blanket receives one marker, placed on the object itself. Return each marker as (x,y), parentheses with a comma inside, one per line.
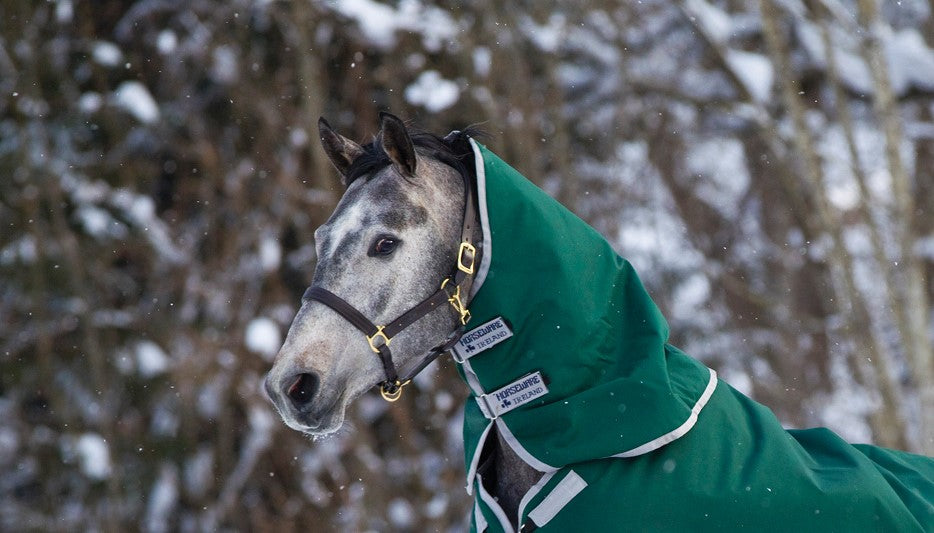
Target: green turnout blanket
(567,357)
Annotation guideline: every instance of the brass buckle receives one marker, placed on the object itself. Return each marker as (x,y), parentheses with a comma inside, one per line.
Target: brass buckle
(393,391)
(379,333)
(467,269)
(456,303)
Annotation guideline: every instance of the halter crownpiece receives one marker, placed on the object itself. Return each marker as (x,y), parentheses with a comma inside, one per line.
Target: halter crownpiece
(379,337)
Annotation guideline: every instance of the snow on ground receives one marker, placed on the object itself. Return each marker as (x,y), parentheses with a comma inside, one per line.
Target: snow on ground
(715,22)
(379,22)
(270,254)
(840,183)
(9,444)
(225,67)
(166,42)
(199,471)
(90,102)
(140,211)
(23,250)
(482,61)
(909,59)
(724,179)
(436,506)
(401,514)
(100,223)
(852,69)
(151,360)
(263,337)
(210,402)
(754,71)
(432,92)
(691,296)
(549,36)
(925,247)
(845,412)
(93,455)
(162,500)
(64,11)
(134,98)
(107,54)
(370,408)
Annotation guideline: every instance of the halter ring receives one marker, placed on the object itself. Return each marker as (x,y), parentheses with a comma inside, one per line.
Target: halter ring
(373,337)
(392,391)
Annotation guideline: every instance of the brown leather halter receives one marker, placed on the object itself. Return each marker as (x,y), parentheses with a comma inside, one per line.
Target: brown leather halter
(379,337)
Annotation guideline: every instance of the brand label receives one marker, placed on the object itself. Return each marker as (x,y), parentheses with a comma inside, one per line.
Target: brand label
(481,338)
(516,394)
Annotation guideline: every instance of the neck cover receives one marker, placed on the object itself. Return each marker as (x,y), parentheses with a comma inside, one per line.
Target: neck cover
(587,374)
(583,320)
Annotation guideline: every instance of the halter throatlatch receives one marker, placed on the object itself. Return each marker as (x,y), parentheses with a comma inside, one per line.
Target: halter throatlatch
(379,337)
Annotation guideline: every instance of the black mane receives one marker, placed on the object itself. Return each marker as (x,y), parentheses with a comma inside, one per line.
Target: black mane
(453,150)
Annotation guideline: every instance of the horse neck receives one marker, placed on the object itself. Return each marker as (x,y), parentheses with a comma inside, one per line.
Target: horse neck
(514,477)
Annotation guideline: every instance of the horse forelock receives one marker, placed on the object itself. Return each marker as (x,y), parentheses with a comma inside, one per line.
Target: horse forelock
(453,150)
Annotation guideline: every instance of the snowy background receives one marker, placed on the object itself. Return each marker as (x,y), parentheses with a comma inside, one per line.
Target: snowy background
(766,165)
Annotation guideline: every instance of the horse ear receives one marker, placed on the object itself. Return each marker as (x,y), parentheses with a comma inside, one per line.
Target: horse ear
(340,150)
(397,144)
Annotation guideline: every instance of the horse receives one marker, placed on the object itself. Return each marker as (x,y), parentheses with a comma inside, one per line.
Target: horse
(581,414)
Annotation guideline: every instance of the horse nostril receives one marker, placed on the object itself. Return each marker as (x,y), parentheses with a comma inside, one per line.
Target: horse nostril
(303,389)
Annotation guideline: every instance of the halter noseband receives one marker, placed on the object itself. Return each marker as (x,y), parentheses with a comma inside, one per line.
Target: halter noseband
(379,337)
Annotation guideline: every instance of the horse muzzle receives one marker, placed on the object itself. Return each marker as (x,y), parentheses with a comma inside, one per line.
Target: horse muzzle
(297,398)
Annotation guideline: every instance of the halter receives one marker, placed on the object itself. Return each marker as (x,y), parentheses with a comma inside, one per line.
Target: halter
(379,337)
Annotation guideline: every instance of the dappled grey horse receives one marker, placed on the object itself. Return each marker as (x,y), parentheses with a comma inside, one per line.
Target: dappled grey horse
(581,415)
(392,241)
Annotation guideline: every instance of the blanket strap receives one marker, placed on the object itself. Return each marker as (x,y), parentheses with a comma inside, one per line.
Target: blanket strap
(557,499)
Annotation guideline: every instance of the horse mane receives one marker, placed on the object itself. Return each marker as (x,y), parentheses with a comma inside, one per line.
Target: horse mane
(453,150)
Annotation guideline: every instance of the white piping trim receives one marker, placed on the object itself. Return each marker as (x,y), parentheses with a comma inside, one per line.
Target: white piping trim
(535,489)
(472,380)
(493,505)
(478,519)
(523,454)
(487,256)
(681,430)
(475,460)
(558,498)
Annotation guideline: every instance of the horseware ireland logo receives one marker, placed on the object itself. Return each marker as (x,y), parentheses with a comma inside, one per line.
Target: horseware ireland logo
(482,338)
(518,393)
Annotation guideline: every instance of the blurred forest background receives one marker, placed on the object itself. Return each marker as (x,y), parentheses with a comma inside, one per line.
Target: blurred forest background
(765,164)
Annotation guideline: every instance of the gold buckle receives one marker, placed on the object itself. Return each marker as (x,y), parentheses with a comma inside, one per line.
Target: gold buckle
(379,333)
(396,393)
(468,269)
(456,303)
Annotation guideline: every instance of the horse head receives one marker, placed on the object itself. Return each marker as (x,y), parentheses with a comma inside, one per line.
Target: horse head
(391,242)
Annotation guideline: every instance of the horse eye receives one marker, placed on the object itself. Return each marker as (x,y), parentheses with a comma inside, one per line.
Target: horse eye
(384,245)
